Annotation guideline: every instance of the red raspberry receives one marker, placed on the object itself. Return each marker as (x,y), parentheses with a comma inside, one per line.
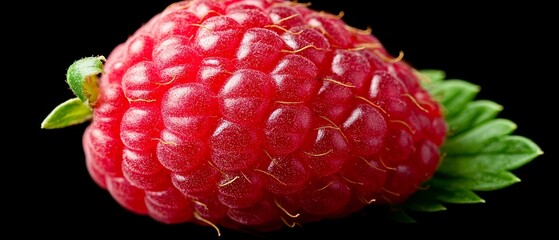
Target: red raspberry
(258,113)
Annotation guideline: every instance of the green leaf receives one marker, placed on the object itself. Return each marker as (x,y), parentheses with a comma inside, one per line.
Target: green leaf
(400,215)
(424,203)
(454,95)
(459,196)
(71,112)
(474,140)
(432,76)
(479,152)
(477,181)
(507,153)
(474,113)
(82,76)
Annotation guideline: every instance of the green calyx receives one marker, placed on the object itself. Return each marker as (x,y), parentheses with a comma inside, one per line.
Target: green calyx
(479,152)
(83,79)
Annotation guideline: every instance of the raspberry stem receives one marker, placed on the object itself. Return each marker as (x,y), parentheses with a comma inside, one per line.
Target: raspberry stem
(83,78)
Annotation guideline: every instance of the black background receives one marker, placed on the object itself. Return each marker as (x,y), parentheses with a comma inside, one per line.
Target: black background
(506,49)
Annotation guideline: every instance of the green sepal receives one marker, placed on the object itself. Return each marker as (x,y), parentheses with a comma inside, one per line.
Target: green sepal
(453,95)
(474,140)
(473,114)
(424,203)
(82,76)
(477,181)
(506,153)
(431,76)
(400,215)
(456,195)
(71,112)
(479,151)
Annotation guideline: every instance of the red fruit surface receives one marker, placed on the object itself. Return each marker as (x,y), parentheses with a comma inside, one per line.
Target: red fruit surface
(258,114)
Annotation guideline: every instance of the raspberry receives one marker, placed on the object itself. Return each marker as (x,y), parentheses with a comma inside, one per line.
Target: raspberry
(258,114)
